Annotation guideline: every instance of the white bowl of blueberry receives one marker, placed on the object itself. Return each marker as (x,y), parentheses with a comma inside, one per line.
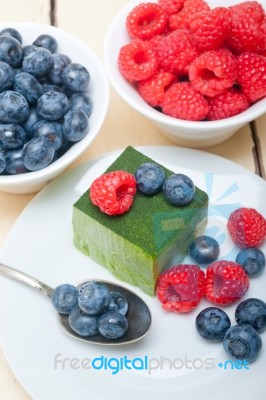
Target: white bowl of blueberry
(54,96)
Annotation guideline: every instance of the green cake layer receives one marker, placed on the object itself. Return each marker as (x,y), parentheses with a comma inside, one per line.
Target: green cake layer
(152,236)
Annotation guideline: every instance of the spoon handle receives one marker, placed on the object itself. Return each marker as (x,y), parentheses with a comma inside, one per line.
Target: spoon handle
(27,279)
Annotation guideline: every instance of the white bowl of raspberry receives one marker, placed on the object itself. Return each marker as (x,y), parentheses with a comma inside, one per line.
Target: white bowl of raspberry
(54,96)
(195,68)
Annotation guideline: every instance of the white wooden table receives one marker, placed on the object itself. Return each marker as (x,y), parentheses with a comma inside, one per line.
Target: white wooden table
(89,20)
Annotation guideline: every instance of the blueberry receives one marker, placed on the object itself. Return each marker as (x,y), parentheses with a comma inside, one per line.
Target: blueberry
(65,298)
(204,250)
(46,41)
(2,162)
(14,108)
(12,32)
(37,153)
(75,77)
(75,125)
(179,189)
(10,51)
(242,342)
(82,324)
(118,303)
(12,136)
(47,87)
(17,71)
(93,297)
(29,48)
(252,261)
(33,117)
(150,178)
(81,101)
(53,105)
(212,323)
(14,162)
(252,312)
(38,62)
(28,86)
(52,131)
(60,63)
(112,325)
(66,144)
(6,76)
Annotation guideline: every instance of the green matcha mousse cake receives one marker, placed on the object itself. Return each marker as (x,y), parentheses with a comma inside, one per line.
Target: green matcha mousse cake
(139,244)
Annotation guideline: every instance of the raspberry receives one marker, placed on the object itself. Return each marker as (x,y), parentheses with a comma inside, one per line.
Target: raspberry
(213,72)
(247,28)
(154,42)
(226,104)
(137,61)
(146,20)
(247,227)
(176,51)
(180,288)
(181,100)
(225,283)
(249,7)
(152,90)
(210,28)
(113,192)
(183,18)
(171,6)
(252,75)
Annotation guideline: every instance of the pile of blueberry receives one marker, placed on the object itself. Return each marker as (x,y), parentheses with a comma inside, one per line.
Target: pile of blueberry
(179,189)
(44,103)
(92,309)
(241,341)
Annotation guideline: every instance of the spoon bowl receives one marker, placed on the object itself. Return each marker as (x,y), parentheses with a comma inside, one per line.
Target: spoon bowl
(138,315)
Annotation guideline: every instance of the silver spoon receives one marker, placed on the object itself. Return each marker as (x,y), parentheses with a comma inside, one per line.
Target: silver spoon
(138,315)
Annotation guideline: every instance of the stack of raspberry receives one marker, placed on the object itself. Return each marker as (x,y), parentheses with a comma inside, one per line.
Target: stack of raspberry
(193,62)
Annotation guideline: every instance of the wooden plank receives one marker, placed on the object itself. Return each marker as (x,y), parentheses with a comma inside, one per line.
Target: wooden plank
(25,11)
(260,138)
(88,22)
(10,388)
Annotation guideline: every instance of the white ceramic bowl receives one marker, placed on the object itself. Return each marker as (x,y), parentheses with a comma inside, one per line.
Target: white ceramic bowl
(187,133)
(98,90)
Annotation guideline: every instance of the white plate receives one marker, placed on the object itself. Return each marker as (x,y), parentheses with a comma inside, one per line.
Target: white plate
(41,244)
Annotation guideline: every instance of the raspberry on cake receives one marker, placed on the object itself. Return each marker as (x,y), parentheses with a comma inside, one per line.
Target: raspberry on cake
(150,237)
(113,193)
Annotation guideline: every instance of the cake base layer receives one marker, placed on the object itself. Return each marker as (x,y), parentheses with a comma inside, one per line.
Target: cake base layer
(152,236)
